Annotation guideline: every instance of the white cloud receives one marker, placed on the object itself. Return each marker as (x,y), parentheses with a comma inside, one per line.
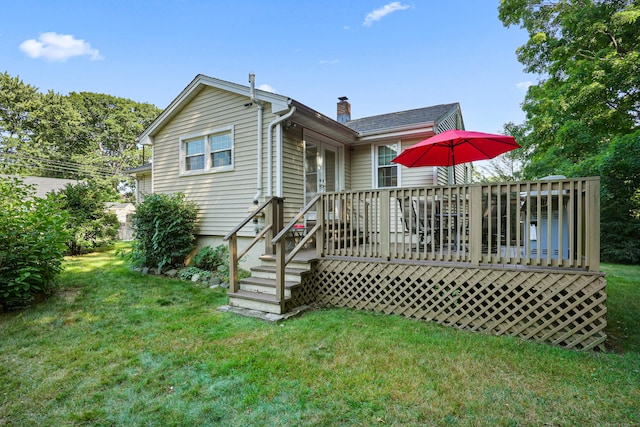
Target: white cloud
(385,10)
(523,86)
(329,61)
(58,47)
(267,88)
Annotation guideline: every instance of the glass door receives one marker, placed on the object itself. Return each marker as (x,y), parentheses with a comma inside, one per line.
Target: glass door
(320,171)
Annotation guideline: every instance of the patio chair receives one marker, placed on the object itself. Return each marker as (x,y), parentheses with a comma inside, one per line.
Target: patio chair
(416,213)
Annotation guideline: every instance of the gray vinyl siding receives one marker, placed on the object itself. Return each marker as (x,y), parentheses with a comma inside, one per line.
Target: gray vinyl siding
(223,197)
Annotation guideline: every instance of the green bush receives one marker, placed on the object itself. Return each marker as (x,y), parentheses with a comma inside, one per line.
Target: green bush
(189,272)
(209,258)
(91,225)
(164,227)
(32,243)
(216,260)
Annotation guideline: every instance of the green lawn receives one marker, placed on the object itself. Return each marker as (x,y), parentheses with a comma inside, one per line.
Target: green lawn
(117,348)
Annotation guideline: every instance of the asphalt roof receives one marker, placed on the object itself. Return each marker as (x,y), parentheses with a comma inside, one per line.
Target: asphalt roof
(401,118)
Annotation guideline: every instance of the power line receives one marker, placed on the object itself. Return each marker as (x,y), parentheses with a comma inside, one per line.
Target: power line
(60,166)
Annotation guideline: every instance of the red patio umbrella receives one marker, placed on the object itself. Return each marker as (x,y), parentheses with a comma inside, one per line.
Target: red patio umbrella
(454,147)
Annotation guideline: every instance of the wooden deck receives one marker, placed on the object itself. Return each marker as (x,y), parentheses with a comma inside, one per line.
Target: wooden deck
(519,259)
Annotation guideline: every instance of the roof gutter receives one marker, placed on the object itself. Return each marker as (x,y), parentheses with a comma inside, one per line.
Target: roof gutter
(276,122)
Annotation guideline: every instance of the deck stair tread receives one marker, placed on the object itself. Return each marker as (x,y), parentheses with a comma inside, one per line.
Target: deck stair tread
(267,282)
(288,270)
(254,296)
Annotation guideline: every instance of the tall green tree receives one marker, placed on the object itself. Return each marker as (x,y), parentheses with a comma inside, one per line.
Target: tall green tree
(83,135)
(90,225)
(587,53)
(110,126)
(586,104)
(18,101)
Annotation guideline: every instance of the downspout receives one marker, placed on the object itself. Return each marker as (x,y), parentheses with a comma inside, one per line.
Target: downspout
(254,100)
(277,121)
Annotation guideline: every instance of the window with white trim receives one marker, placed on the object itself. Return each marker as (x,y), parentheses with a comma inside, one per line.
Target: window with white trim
(210,151)
(386,173)
(194,155)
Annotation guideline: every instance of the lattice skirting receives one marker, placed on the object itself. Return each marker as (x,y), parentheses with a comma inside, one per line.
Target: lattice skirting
(562,308)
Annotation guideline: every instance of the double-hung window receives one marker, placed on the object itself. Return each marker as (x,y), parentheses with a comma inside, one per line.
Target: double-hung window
(386,173)
(209,151)
(194,155)
(221,147)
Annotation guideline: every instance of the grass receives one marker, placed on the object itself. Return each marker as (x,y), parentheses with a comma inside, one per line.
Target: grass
(116,348)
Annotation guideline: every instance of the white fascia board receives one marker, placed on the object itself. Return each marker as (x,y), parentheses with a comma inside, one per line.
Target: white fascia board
(278,103)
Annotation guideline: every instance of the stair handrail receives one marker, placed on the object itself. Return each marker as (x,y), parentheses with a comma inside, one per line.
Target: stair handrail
(233,243)
(287,228)
(248,218)
(279,242)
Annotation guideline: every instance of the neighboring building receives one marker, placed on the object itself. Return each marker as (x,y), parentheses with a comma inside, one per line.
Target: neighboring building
(228,146)
(43,185)
(124,212)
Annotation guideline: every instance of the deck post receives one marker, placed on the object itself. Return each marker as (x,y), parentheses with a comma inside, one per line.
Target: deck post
(475,227)
(593,225)
(233,264)
(277,213)
(269,220)
(385,225)
(280,273)
(320,220)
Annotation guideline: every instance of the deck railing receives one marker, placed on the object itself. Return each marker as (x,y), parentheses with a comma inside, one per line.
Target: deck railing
(547,223)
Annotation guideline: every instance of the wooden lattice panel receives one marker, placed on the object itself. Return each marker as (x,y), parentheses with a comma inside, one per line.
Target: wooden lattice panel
(563,308)
(304,294)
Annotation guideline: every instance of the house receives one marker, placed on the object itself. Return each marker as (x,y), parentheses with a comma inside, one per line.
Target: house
(230,146)
(515,258)
(124,212)
(45,185)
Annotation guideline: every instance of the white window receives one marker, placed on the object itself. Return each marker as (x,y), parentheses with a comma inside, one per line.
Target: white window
(194,155)
(386,173)
(210,151)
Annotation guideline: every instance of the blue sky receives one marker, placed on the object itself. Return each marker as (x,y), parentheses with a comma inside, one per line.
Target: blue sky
(384,55)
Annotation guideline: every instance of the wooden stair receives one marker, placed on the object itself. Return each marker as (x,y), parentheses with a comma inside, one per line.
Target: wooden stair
(258,292)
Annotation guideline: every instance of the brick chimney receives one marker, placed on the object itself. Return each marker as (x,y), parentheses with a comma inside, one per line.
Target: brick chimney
(344,110)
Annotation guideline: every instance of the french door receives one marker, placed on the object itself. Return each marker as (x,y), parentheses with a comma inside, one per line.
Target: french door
(321,172)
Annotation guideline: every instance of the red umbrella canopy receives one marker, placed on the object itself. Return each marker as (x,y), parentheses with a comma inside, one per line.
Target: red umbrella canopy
(454,147)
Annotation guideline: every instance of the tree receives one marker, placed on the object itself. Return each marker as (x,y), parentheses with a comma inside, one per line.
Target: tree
(110,126)
(17,103)
(77,136)
(91,225)
(587,53)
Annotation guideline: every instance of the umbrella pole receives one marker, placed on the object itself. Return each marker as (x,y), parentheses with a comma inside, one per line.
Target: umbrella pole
(453,163)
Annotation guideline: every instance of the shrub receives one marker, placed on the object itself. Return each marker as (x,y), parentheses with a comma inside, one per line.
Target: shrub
(164,227)
(189,272)
(32,243)
(216,260)
(91,225)
(209,258)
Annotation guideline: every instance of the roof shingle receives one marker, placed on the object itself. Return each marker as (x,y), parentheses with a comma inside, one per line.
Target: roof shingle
(401,118)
